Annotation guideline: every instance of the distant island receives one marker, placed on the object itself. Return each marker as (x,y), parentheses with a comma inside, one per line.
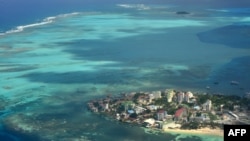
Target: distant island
(182,12)
(173,110)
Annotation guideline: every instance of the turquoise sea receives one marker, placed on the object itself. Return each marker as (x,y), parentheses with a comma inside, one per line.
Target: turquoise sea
(50,68)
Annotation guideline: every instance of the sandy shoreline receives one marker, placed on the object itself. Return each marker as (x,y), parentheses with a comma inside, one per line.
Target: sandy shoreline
(204,131)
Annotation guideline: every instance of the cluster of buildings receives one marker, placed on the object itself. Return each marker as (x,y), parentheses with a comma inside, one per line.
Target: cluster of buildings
(143,108)
(179,97)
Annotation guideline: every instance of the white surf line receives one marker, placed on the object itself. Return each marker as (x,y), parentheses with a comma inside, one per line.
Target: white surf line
(45,21)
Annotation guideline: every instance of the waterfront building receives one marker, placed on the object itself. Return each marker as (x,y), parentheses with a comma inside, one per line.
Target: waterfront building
(149,122)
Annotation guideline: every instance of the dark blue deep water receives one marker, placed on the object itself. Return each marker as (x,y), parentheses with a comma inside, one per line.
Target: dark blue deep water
(20,12)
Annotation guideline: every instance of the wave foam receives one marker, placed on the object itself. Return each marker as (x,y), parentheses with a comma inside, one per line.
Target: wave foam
(219,10)
(134,6)
(45,21)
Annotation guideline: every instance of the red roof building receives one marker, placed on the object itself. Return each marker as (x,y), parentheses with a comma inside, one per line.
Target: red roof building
(180,113)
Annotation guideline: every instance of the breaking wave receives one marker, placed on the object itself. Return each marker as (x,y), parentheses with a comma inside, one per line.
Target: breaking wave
(134,6)
(45,21)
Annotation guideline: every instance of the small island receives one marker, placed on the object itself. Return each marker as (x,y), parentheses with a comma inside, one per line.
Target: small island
(182,13)
(174,110)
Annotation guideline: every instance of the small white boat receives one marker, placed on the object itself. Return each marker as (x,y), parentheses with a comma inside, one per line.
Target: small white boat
(234,83)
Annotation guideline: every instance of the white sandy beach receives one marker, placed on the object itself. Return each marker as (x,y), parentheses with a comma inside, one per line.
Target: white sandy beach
(208,131)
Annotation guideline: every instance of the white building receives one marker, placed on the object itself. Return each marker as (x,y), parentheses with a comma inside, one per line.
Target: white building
(153,107)
(187,96)
(180,97)
(139,110)
(149,122)
(170,93)
(234,115)
(207,106)
(157,94)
